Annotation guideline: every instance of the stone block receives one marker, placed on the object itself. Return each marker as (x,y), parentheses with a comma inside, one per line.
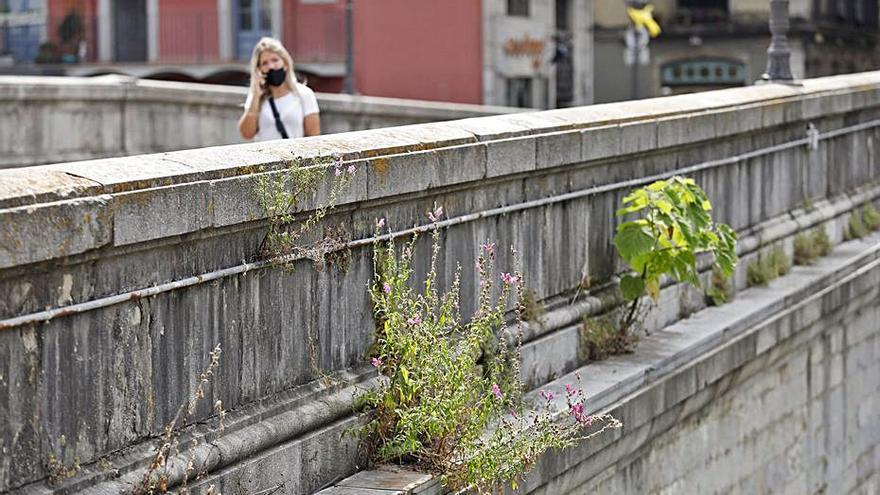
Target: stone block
(129,173)
(490,128)
(638,137)
(161,212)
(600,142)
(460,164)
(561,148)
(510,156)
(228,161)
(400,174)
(393,480)
(350,182)
(536,370)
(25,186)
(42,232)
(236,200)
(436,135)
(672,131)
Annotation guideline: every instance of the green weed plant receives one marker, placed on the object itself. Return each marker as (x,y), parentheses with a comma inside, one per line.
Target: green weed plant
(674,224)
(281,196)
(870,217)
(769,266)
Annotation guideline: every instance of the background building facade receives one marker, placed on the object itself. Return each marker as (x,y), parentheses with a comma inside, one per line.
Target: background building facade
(528,53)
(710,44)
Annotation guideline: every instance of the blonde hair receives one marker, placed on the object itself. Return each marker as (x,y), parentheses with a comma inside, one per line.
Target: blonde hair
(275,46)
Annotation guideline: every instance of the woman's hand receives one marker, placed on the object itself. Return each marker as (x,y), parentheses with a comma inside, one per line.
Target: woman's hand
(247,124)
(258,85)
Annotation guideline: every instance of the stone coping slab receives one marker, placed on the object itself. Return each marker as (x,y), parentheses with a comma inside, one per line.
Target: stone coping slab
(780,104)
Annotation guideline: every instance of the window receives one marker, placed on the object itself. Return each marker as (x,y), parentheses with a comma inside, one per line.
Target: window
(519,92)
(699,11)
(703,72)
(519,8)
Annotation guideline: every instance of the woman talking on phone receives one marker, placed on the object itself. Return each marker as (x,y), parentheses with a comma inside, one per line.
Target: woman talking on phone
(277,106)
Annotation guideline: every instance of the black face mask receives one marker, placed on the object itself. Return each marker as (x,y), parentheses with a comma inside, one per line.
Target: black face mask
(276,77)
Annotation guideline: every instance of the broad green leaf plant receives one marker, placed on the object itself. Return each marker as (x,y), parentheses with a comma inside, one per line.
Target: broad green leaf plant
(673,225)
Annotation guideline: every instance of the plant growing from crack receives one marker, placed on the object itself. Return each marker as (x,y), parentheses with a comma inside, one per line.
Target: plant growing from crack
(769,266)
(450,399)
(281,196)
(156,478)
(674,224)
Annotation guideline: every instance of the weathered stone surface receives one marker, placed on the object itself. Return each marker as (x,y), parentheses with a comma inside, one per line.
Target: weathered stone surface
(638,137)
(39,232)
(161,212)
(600,142)
(557,149)
(402,481)
(24,187)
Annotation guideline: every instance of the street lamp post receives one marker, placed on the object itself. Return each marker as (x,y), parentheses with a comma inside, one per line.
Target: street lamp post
(779,52)
(349,49)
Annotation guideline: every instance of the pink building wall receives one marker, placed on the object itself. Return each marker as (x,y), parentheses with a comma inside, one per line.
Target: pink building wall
(188,31)
(422,49)
(56,10)
(315,32)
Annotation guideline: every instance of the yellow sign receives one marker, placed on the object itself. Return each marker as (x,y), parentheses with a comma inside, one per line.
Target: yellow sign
(643,18)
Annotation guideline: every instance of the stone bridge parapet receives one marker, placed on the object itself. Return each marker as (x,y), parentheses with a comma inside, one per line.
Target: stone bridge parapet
(119,275)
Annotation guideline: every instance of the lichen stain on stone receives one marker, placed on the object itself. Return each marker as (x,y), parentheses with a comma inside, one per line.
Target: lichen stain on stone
(151,404)
(66,289)
(29,339)
(134,315)
(380,165)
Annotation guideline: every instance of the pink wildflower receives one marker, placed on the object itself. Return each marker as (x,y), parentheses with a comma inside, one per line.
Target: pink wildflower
(547,394)
(577,410)
(497,391)
(386,287)
(351,169)
(489,248)
(415,320)
(508,278)
(569,390)
(380,223)
(435,215)
(376,362)
(338,172)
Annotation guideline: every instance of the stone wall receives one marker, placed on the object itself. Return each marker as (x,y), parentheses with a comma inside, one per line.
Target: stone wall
(118,276)
(63,119)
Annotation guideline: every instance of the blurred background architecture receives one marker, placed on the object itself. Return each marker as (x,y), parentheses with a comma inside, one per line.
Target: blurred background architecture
(527,53)
(713,44)
(524,53)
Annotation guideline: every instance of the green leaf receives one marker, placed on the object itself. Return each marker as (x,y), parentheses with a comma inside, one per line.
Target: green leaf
(657,186)
(632,240)
(631,287)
